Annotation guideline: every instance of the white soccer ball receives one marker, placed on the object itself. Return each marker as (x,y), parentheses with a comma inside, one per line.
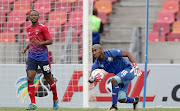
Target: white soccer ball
(98,74)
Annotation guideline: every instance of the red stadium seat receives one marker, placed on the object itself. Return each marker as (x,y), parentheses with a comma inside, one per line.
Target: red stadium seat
(155,37)
(172,6)
(42,7)
(7,37)
(31,1)
(63,6)
(76,17)
(72,1)
(17,17)
(163,27)
(78,6)
(54,29)
(9,1)
(176,27)
(113,1)
(174,37)
(4,6)
(58,17)
(103,17)
(11,28)
(173,0)
(23,6)
(165,17)
(104,6)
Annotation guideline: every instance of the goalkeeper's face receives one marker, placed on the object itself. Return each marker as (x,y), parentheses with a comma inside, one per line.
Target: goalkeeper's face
(34,16)
(97,52)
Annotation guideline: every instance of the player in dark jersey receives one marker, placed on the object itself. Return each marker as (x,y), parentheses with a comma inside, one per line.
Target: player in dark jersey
(39,37)
(112,61)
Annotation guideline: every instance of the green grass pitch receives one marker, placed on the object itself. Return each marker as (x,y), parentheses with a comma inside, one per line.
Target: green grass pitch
(91,109)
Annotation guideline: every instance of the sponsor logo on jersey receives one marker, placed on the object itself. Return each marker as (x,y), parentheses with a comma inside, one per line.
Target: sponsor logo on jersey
(110,59)
(37,31)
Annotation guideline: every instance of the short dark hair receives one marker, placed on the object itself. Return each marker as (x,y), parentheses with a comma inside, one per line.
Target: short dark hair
(95,12)
(35,11)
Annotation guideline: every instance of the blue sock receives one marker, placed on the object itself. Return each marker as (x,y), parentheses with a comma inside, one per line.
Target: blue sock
(115,89)
(129,99)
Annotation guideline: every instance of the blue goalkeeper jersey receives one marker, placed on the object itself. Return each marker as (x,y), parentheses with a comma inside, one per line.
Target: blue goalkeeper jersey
(113,62)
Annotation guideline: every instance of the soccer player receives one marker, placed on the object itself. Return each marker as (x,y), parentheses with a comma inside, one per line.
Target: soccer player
(112,61)
(39,37)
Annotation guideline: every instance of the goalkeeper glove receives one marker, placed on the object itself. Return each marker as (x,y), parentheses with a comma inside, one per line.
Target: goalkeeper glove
(91,79)
(137,71)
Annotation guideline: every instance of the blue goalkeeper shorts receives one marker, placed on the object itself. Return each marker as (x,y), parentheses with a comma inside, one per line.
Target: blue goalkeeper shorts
(124,77)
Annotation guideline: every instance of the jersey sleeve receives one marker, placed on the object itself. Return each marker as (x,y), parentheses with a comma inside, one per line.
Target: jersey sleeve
(116,52)
(46,33)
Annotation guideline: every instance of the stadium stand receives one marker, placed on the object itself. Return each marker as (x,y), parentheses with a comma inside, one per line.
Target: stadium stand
(22,6)
(156,36)
(9,1)
(17,17)
(58,17)
(165,16)
(63,6)
(172,6)
(11,28)
(45,7)
(103,17)
(161,27)
(104,6)
(7,37)
(53,28)
(5,6)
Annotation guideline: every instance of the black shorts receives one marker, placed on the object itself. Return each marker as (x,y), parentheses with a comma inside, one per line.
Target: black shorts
(32,64)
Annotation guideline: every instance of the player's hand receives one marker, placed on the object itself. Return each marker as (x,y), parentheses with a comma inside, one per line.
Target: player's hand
(91,79)
(137,71)
(37,42)
(23,51)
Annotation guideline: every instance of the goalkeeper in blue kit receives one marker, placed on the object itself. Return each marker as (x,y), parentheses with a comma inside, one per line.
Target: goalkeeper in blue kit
(112,61)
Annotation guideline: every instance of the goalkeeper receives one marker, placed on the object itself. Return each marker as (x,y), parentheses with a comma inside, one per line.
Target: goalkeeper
(112,61)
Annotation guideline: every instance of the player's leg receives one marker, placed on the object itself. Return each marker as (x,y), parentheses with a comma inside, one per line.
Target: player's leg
(126,77)
(115,90)
(123,98)
(31,67)
(48,76)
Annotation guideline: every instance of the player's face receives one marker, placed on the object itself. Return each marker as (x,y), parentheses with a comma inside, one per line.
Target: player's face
(34,16)
(96,52)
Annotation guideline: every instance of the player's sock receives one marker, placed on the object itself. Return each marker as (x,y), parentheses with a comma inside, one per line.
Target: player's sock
(31,91)
(129,100)
(54,91)
(115,89)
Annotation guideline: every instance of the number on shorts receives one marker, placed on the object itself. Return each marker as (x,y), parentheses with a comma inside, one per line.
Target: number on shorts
(46,68)
(123,73)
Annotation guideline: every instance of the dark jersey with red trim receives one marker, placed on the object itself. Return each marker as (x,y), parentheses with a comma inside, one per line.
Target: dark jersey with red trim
(41,33)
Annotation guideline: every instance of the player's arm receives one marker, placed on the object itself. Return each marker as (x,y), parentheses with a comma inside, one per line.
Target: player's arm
(129,55)
(25,49)
(136,69)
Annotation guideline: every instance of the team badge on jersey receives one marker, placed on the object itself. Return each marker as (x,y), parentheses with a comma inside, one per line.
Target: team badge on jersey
(110,59)
(37,31)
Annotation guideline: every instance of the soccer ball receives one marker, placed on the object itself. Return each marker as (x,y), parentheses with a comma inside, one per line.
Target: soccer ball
(98,74)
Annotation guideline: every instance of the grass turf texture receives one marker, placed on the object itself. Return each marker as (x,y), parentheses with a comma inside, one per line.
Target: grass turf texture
(91,109)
